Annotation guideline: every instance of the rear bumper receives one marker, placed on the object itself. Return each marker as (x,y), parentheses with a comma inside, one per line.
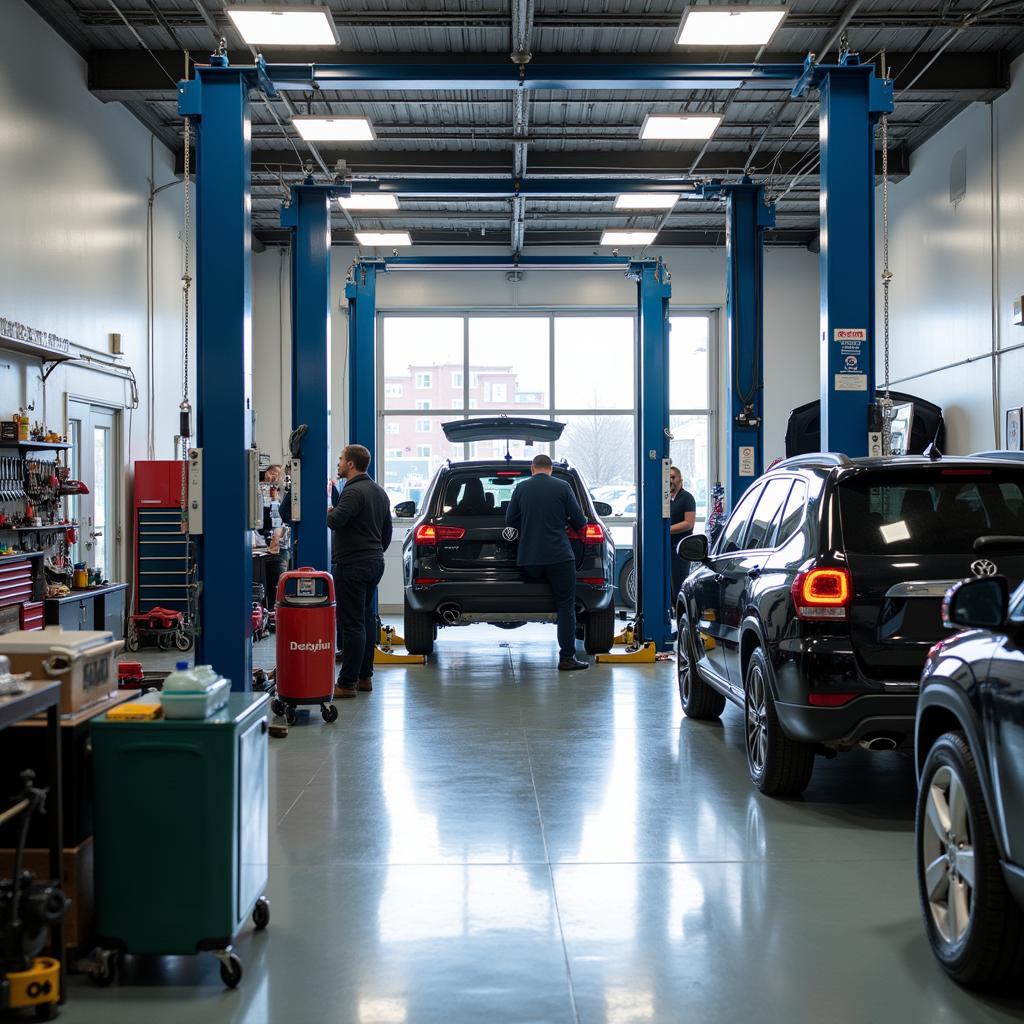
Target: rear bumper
(863,718)
(503,596)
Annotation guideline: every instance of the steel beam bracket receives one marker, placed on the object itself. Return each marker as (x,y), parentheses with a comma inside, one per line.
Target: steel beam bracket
(880,90)
(289,214)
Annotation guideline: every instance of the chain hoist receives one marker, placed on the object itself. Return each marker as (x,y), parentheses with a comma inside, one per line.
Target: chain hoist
(185,408)
(885,403)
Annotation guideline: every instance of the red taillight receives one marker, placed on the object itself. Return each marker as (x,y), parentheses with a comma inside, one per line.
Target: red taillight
(425,581)
(594,581)
(428,534)
(592,533)
(829,700)
(822,594)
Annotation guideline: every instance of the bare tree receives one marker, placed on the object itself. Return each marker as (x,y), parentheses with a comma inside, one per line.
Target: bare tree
(601,448)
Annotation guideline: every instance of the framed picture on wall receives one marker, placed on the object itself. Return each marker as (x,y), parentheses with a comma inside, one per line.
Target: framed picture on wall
(1013,426)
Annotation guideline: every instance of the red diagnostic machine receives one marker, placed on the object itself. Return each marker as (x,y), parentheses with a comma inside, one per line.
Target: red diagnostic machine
(305,643)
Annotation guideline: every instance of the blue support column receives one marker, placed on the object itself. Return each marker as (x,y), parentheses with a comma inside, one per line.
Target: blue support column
(361,292)
(851,99)
(747,216)
(652,450)
(309,216)
(218,100)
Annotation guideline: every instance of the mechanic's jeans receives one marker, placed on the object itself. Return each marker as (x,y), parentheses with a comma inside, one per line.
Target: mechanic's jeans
(357,590)
(273,567)
(561,578)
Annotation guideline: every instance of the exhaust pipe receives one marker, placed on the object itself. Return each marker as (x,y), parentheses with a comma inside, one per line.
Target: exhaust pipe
(450,614)
(879,743)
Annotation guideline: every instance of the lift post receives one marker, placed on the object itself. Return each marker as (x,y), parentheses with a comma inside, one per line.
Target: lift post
(851,99)
(361,293)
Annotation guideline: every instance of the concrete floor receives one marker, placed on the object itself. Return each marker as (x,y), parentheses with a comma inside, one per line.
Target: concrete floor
(484,839)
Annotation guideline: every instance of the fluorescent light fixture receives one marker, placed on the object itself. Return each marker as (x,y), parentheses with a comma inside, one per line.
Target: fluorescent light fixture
(646,201)
(368,201)
(740,25)
(383,238)
(334,129)
(628,237)
(679,126)
(284,25)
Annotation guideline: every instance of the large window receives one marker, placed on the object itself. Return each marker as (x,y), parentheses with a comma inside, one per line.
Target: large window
(577,368)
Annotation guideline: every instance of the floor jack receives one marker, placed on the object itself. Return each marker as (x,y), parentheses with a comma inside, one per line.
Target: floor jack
(636,652)
(28,908)
(386,654)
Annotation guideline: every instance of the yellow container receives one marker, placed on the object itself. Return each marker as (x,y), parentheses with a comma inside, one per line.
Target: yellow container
(38,985)
(81,579)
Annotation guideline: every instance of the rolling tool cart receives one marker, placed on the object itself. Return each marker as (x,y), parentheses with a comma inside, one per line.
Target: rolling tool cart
(188,799)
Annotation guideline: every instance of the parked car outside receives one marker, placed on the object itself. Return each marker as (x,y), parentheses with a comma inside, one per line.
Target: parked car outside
(970,806)
(459,558)
(816,607)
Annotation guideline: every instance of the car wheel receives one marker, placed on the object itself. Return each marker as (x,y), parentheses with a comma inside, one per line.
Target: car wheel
(418,631)
(599,631)
(778,765)
(699,700)
(627,584)
(975,928)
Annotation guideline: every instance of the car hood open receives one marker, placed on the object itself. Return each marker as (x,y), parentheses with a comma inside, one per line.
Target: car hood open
(502,428)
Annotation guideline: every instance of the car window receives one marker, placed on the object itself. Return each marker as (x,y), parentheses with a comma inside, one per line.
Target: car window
(792,512)
(486,491)
(732,535)
(773,497)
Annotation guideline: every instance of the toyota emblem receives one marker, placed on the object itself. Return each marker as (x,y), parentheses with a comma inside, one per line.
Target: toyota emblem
(510,533)
(983,567)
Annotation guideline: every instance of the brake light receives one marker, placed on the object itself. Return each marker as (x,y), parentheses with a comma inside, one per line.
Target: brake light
(829,700)
(425,581)
(822,594)
(594,581)
(428,534)
(592,533)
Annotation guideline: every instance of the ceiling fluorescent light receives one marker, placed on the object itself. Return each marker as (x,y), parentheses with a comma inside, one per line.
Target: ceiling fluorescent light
(334,129)
(628,237)
(284,26)
(681,126)
(383,238)
(369,201)
(740,25)
(646,201)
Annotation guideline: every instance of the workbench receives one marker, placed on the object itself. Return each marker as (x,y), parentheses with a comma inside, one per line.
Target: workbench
(99,608)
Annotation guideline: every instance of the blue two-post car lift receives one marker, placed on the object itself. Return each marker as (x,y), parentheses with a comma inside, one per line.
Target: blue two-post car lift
(851,98)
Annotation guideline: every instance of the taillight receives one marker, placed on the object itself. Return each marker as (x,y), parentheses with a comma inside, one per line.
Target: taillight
(830,700)
(425,581)
(428,534)
(592,533)
(594,581)
(822,594)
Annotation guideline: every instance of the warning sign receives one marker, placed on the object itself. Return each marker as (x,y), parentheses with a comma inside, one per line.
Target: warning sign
(851,382)
(850,334)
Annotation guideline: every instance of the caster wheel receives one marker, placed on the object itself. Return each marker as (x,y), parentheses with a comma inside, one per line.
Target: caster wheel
(183,641)
(279,708)
(104,970)
(231,970)
(131,642)
(329,713)
(291,716)
(261,913)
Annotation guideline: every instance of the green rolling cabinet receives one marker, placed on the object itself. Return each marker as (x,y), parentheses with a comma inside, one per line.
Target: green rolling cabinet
(181,834)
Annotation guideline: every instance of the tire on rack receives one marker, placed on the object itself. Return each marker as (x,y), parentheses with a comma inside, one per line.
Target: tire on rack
(419,631)
(778,765)
(599,630)
(699,700)
(976,931)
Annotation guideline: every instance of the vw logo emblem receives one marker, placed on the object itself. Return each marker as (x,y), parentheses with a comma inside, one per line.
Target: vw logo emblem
(983,567)
(510,533)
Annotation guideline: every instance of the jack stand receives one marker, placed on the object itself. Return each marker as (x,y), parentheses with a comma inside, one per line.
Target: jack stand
(389,637)
(626,637)
(386,654)
(636,654)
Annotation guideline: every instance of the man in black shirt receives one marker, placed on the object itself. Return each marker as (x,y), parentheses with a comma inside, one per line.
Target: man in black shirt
(361,525)
(683,515)
(540,509)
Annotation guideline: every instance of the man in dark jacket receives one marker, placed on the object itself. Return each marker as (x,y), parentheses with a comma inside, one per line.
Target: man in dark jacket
(361,526)
(540,509)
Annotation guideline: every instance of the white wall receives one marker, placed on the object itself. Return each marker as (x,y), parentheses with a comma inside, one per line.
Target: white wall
(957,269)
(75,176)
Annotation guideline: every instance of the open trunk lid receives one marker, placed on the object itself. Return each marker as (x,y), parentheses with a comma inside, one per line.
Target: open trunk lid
(502,428)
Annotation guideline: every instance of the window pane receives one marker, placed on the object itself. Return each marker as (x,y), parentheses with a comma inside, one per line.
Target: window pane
(594,362)
(601,448)
(688,362)
(498,449)
(508,363)
(100,497)
(689,451)
(422,356)
(413,448)
(732,538)
(772,499)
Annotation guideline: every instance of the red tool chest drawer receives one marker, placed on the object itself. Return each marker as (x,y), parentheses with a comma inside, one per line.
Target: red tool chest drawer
(32,615)
(15,583)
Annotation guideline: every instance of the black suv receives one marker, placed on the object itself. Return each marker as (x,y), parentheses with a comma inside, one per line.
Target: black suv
(459,559)
(815,609)
(970,805)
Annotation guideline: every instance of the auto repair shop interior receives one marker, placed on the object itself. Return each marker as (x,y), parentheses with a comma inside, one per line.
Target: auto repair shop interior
(749,274)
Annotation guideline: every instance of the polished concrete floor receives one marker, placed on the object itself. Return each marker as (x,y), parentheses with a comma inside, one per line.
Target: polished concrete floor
(486,840)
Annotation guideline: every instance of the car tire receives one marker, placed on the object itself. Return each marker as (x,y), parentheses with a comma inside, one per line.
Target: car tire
(699,700)
(627,584)
(988,949)
(778,765)
(599,631)
(419,631)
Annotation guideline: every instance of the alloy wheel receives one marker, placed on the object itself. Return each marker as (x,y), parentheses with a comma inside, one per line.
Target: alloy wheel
(682,661)
(757,718)
(947,853)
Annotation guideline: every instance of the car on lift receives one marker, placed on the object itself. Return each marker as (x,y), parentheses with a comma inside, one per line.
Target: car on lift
(970,764)
(816,607)
(459,558)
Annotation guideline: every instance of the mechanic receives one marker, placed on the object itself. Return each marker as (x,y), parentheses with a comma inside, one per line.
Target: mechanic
(682,515)
(275,533)
(540,508)
(361,527)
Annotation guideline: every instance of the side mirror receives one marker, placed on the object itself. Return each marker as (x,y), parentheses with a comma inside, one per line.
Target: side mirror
(693,548)
(602,508)
(405,509)
(977,604)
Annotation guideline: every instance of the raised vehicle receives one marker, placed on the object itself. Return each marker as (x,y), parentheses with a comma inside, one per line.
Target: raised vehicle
(970,805)
(459,559)
(816,607)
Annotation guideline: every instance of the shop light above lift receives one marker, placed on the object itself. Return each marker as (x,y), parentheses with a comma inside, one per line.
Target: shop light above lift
(299,25)
(698,127)
(646,201)
(628,237)
(369,201)
(393,238)
(739,25)
(334,129)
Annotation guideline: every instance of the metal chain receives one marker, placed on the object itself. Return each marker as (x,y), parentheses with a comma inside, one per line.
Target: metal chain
(186,276)
(886,402)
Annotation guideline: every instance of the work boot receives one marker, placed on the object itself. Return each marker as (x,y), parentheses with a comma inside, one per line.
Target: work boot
(343,689)
(365,685)
(572,664)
